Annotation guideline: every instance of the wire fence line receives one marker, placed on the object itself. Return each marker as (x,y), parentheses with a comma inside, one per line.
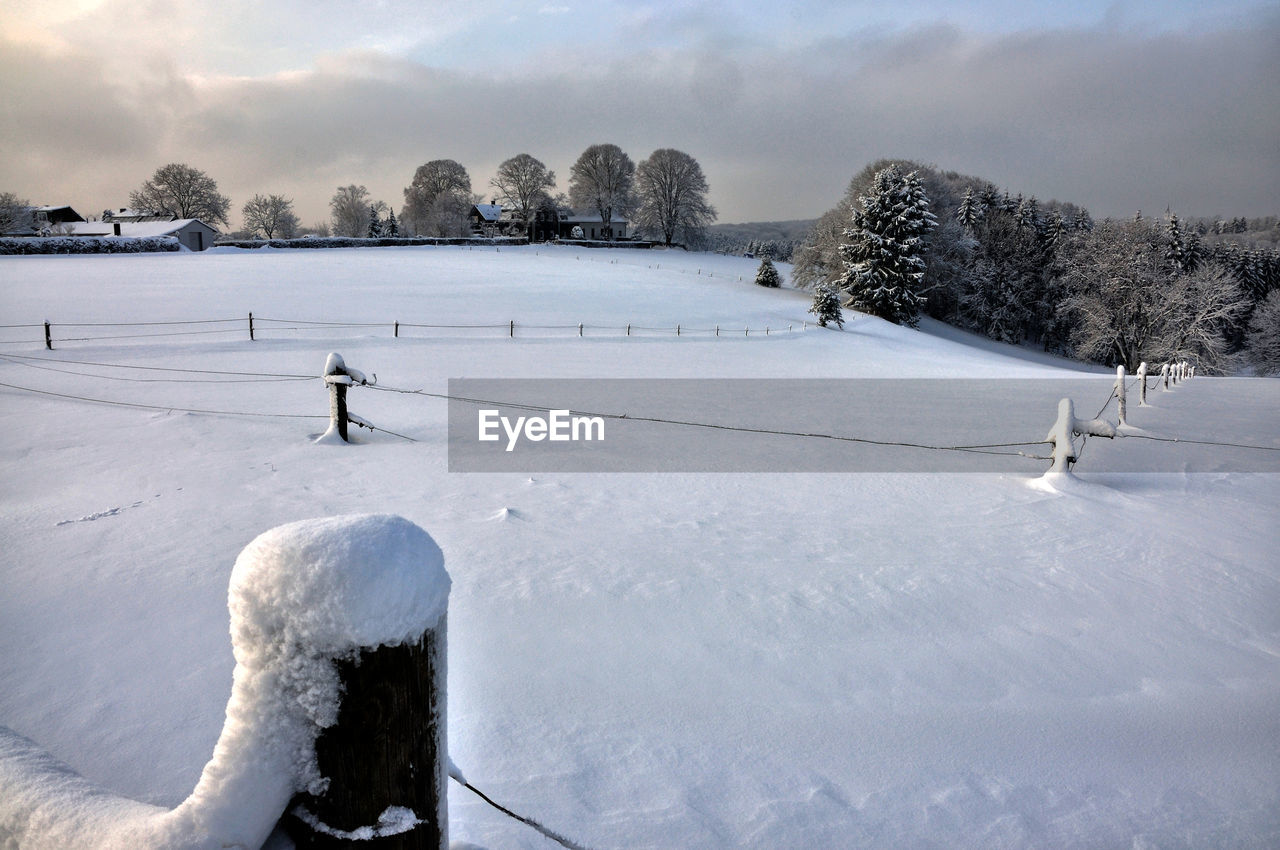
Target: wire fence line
(1012,449)
(254,327)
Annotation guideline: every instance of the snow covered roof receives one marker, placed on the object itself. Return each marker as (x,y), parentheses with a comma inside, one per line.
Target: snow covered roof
(489,212)
(135,229)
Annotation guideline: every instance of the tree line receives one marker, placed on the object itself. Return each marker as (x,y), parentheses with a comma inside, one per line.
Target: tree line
(908,239)
(665,196)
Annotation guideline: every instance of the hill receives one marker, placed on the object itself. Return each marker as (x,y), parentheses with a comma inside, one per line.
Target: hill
(661,659)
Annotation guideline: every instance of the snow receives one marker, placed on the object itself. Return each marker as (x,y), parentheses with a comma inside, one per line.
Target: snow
(640,660)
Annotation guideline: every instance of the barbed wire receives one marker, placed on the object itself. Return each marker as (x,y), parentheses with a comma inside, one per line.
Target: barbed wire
(242,380)
(164,407)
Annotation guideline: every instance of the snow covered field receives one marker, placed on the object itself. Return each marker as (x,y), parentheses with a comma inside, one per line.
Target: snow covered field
(650,660)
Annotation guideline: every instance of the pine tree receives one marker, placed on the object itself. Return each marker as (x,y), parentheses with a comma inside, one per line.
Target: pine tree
(375,224)
(392,227)
(1083,221)
(1175,246)
(767,274)
(969,212)
(884,257)
(1053,229)
(826,306)
(1027,215)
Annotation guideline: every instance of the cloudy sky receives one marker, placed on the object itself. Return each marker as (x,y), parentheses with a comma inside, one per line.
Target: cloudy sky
(1117,106)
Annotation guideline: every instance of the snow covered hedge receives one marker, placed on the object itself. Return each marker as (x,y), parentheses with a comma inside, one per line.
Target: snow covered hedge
(88,245)
(363,242)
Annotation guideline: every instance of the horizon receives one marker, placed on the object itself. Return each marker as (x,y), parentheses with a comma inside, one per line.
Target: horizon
(1117,107)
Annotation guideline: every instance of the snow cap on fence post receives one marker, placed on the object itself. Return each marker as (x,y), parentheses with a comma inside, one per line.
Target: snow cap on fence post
(1067,427)
(1164,376)
(1142,384)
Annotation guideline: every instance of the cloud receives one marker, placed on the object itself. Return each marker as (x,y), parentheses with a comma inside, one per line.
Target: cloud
(1114,120)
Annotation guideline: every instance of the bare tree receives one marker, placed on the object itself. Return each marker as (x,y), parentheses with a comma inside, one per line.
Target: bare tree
(179,190)
(436,202)
(350,210)
(270,216)
(1262,344)
(13,212)
(603,179)
(1126,306)
(672,193)
(521,182)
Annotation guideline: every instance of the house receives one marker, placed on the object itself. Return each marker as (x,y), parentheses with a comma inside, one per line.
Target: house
(35,221)
(192,233)
(593,227)
(487,219)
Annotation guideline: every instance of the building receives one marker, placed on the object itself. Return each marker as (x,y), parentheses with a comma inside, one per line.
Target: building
(37,221)
(192,233)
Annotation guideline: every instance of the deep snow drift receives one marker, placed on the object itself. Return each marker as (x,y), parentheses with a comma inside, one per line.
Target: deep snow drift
(646,660)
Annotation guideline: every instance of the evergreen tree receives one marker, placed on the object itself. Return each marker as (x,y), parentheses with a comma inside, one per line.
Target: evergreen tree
(767,274)
(1176,249)
(392,227)
(1083,221)
(1053,231)
(969,212)
(1027,215)
(884,255)
(375,224)
(826,306)
(1194,252)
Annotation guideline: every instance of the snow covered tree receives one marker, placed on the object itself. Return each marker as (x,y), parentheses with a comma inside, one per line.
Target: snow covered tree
(179,190)
(1027,215)
(1124,307)
(375,224)
(350,210)
(603,180)
(1262,342)
(884,255)
(826,306)
(1175,248)
(12,209)
(969,211)
(271,216)
(671,191)
(767,274)
(437,200)
(1082,221)
(391,227)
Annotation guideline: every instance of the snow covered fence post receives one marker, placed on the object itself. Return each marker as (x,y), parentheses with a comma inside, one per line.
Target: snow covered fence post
(384,759)
(1142,383)
(1164,376)
(48,337)
(338,377)
(1066,428)
(1121,403)
(250,327)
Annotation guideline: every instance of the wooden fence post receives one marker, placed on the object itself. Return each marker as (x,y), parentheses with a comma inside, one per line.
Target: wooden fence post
(337,378)
(397,330)
(511,331)
(48,337)
(388,748)
(1164,376)
(250,327)
(1067,427)
(1142,384)
(1121,404)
